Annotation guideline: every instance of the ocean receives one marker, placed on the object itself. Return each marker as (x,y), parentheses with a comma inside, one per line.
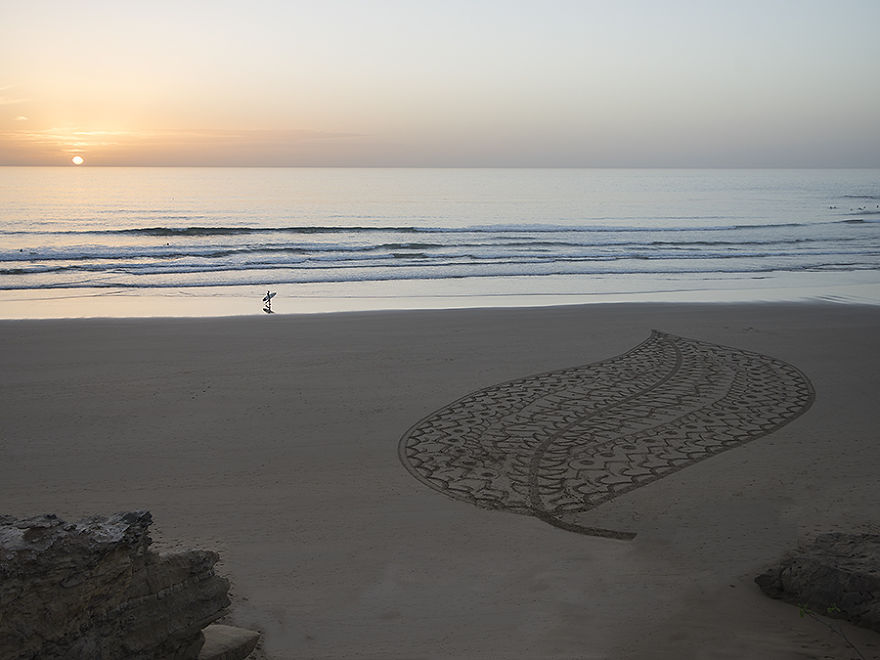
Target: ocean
(81,241)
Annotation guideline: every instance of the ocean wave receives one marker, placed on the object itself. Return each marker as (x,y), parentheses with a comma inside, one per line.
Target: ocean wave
(295,265)
(415,229)
(219,277)
(861,220)
(121,255)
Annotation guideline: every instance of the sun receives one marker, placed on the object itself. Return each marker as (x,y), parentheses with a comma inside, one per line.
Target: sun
(77,160)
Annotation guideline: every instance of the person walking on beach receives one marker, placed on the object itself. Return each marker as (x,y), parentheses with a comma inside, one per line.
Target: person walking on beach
(268,300)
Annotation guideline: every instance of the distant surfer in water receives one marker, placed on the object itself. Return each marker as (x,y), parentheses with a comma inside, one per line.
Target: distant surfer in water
(268,300)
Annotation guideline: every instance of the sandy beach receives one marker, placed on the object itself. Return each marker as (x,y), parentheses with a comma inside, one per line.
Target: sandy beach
(274,440)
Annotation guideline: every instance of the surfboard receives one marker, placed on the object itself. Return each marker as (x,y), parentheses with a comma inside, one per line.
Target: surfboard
(268,297)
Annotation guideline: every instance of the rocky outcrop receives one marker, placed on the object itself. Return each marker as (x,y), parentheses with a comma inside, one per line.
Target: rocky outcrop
(840,572)
(228,643)
(93,589)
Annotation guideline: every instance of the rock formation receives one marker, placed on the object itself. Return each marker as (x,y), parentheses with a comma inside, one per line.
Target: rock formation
(93,589)
(837,571)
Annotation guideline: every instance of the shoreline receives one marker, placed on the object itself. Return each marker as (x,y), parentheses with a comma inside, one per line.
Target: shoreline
(276,445)
(857,288)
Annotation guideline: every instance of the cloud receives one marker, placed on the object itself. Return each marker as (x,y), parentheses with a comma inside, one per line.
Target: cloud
(20,118)
(61,138)
(7,97)
(168,146)
(224,147)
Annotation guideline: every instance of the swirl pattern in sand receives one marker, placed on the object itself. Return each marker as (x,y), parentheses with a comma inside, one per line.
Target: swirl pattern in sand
(557,444)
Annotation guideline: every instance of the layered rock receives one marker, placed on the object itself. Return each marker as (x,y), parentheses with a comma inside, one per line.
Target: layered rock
(836,575)
(93,589)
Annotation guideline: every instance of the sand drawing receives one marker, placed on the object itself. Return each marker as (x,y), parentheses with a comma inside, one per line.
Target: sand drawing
(557,444)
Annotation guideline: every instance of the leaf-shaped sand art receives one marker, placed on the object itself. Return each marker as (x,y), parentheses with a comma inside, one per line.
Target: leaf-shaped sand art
(558,444)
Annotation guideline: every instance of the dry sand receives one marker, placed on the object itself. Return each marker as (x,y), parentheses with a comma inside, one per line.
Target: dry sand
(274,441)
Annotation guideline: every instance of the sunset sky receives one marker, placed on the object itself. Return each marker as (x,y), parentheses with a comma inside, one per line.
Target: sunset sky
(441,83)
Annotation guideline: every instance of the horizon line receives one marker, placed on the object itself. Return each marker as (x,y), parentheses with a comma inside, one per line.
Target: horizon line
(454,167)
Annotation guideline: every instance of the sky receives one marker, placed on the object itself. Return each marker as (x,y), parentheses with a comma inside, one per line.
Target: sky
(506,83)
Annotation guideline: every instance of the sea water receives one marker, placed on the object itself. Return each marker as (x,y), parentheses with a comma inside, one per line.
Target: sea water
(80,241)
